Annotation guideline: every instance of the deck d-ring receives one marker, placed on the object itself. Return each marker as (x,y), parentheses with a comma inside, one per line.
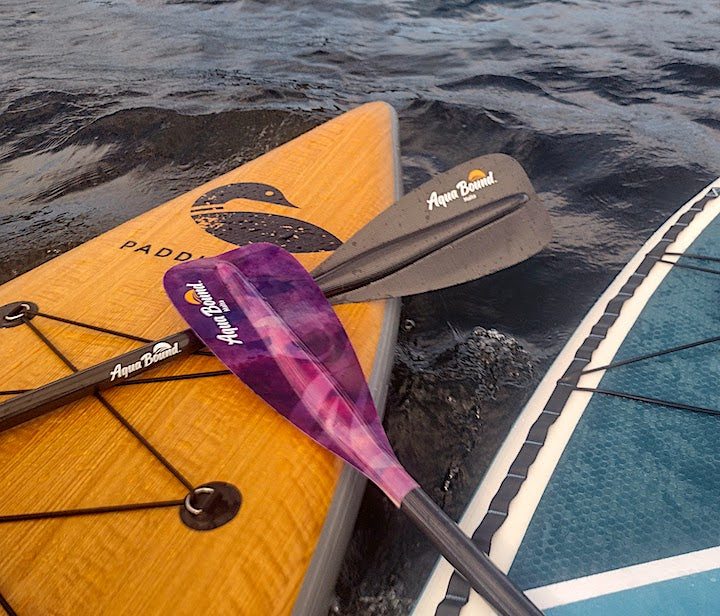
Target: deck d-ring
(210,505)
(188,499)
(17,313)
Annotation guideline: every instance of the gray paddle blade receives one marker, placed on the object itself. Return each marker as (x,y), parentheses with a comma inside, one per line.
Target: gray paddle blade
(478,218)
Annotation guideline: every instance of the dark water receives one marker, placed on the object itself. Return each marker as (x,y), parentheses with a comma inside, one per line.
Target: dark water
(108,108)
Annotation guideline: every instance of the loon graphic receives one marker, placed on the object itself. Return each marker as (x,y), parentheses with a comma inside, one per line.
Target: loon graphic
(215,213)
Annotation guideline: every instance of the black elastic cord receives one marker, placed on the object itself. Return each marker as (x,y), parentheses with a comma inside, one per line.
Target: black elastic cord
(691,255)
(684,347)
(6,606)
(71,513)
(697,268)
(571,377)
(96,328)
(50,345)
(113,332)
(686,407)
(145,443)
(202,352)
(162,459)
(648,400)
(176,377)
(660,259)
(145,381)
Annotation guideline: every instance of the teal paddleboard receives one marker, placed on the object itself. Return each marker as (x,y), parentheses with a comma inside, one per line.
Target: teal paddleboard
(605,496)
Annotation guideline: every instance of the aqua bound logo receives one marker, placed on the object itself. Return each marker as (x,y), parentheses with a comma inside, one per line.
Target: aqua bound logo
(209,307)
(464,189)
(160,352)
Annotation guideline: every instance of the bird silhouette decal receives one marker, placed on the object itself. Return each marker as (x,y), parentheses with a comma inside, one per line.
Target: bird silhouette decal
(222,213)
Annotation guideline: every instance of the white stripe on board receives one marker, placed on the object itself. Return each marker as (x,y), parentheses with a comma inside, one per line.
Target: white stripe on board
(609,582)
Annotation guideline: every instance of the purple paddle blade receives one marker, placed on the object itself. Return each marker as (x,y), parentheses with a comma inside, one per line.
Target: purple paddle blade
(265,317)
(262,314)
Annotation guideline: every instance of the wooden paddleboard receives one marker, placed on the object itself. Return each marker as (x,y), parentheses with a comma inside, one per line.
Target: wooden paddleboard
(308,196)
(604,497)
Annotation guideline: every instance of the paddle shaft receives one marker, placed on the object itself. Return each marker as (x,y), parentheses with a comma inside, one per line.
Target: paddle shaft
(459,550)
(296,355)
(360,263)
(26,406)
(34,403)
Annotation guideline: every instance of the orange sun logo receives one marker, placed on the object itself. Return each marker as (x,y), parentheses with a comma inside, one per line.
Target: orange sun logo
(191,297)
(476,174)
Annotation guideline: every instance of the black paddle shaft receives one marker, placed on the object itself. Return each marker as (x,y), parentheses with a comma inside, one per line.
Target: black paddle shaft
(36,402)
(356,271)
(482,574)
(31,404)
